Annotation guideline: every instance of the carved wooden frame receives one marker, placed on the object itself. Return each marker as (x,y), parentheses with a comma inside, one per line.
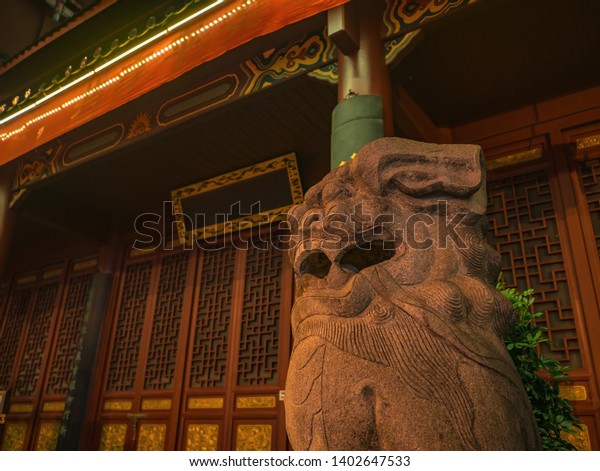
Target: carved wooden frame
(287,161)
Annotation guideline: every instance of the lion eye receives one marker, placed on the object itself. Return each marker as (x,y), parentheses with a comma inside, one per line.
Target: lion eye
(366,255)
(316,264)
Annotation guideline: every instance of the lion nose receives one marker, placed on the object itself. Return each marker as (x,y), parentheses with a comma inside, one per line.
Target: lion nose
(352,259)
(316,264)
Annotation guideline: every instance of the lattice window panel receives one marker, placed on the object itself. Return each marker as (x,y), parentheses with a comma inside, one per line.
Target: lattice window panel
(130,321)
(211,337)
(37,336)
(523,230)
(259,339)
(590,182)
(11,334)
(166,323)
(69,332)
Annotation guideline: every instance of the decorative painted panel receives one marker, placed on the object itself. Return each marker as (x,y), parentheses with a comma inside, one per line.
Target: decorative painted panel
(276,65)
(47,436)
(70,331)
(269,68)
(259,339)
(202,437)
(205,403)
(112,437)
(523,229)
(53,406)
(21,407)
(11,334)
(404,15)
(14,436)
(118,405)
(255,402)
(590,183)
(580,439)
(156,404)
(35,344)
(166,323)
(573,393)
(152,437)
(209,348)
(128,333)
(255,437)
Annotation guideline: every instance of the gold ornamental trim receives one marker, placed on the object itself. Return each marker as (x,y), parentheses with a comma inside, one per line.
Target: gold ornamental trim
(287,162)
(152,437)
(53,406)
(26,279)
(93,263)
(588,141)
(21,407)
(517,158)
(573,393)
(52,273)
(47,436)
(202,437)
(140,252)
(205,403)
(14,437)
(254,437)
(256,402)
(117,405)
(156,404)
(112,437)
(580,439)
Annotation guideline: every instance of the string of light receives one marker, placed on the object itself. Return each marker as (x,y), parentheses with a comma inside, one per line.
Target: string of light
(118,76)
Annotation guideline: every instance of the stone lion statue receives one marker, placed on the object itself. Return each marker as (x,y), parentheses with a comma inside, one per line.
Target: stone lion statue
(398,328)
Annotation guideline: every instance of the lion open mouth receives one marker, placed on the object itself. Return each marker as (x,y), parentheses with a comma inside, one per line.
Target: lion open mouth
(349,300)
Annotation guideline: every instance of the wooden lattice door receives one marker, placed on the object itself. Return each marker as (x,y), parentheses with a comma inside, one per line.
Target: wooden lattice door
(38,344)
(533,226)
(140,391)
(198,349)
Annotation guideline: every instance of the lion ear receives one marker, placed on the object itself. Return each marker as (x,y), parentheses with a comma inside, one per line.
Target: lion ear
(420,169)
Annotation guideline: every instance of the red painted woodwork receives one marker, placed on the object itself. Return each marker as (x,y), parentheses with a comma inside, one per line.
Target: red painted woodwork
(544,222)
(191,326)
(39,333)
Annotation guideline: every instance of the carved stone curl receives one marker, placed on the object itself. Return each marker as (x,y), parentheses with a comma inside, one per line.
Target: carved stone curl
(398,328)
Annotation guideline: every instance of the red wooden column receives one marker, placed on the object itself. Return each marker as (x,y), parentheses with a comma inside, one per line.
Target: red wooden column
(364,112)
(8,217)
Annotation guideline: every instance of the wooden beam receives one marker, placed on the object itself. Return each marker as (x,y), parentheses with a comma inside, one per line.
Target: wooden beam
(343,27)
(410,118)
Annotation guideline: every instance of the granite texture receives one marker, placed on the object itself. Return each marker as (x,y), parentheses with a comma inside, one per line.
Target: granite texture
(398,328)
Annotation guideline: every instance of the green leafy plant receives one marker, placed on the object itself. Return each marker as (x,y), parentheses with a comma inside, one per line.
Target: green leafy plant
(541,376)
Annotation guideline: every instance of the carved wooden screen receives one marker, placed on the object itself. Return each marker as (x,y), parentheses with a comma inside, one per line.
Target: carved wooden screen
(21,306)
(226,309)
(145,364)
(239,348)
(544,222)
(590,186)
(523,228)
(44,312)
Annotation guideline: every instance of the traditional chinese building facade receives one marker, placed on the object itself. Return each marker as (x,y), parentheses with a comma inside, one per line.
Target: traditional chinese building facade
(109,340)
